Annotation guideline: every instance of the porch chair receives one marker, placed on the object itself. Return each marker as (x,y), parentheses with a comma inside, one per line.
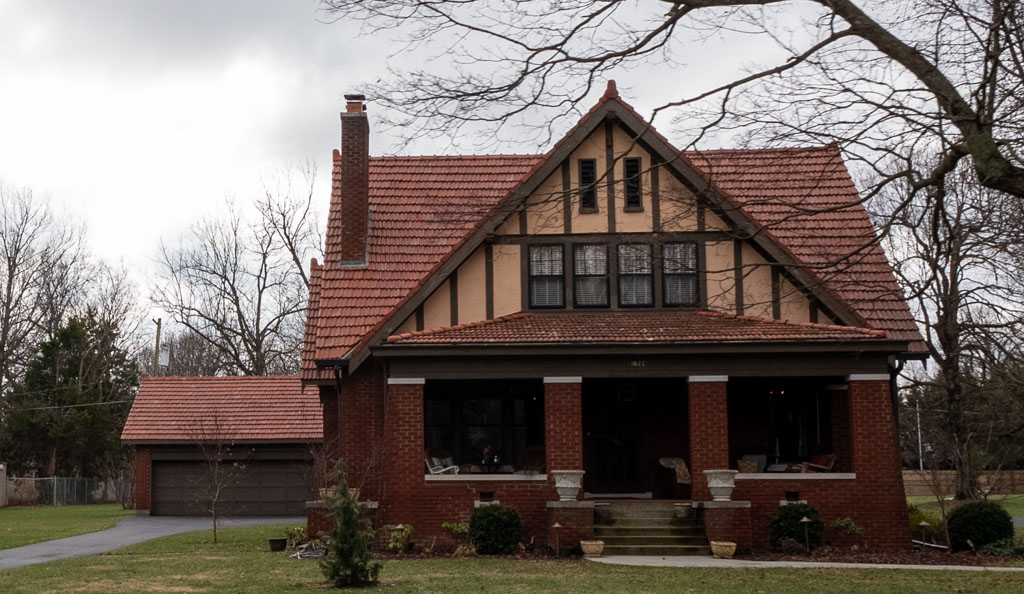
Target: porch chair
(441,466)
(820,463)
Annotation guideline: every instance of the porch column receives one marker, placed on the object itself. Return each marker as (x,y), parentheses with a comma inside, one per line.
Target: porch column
(709,430)
(876,460)
(563,423)
(403,449)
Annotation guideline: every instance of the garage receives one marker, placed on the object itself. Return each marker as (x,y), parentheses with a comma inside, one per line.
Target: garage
(258,488)
(267,431)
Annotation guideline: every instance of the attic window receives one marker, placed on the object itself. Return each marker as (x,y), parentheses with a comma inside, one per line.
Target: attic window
(634,200)
(547,280)
(679,270)
(588,189)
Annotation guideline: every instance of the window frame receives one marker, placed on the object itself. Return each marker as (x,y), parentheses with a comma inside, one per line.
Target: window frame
(694,273)
(632,184)
(576,275)
(587,190)
(531,276)
(619,275)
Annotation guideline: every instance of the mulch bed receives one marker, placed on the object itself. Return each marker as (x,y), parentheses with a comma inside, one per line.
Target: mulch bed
(895,557)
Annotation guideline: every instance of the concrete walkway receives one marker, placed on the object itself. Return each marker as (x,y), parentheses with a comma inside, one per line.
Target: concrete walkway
(128,531)
(697,561)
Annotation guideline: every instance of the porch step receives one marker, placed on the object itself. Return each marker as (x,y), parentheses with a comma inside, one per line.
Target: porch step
(649,528)
(657,550)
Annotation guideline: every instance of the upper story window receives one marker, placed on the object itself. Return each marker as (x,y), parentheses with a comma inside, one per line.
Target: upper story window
(588,185)
(679,273)
(590,275)
(636,278)
(634,199)
(547,276)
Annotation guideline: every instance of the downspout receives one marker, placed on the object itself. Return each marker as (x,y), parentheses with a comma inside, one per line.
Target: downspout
(894,393)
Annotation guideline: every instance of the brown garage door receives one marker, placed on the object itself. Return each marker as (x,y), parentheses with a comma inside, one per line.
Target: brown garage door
(264,488)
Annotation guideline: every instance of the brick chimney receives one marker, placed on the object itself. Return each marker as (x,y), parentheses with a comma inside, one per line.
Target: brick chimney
(355,181)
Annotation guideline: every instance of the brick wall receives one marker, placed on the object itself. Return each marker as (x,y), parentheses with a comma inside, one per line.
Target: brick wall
(563,426)
(832,498)
(709,433)
(143,476)
(576,524)
(839,402)
(731,524)
(362,437)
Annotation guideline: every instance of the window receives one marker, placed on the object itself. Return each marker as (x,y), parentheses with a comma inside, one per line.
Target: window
(679,270)
(493,426)
(590,275)
(588,189)
(547,280)
(634,200)
(636,281)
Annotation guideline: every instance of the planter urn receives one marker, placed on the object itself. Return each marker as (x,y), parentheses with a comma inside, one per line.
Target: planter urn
(722,549)
(567,483)
(592,548)
(721,483)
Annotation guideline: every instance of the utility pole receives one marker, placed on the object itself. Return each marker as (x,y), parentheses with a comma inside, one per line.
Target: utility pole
(156,349)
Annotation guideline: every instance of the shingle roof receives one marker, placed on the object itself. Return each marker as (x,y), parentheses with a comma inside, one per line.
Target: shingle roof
(274,408)
(423,208)
(633,327)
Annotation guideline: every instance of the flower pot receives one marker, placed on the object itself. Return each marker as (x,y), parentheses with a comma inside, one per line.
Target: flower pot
(592,548)
(722,549)
(354,493)
(278,544)
(721,483)
(326,492)
(567,483)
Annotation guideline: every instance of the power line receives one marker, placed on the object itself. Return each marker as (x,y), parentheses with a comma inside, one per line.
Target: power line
(75,405)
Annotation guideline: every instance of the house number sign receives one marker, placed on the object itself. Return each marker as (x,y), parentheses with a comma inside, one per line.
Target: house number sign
(638,363)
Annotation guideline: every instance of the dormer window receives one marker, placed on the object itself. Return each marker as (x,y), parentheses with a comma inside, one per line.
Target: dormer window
(588,185)
(547,276)
(634,199)
(679,273)
(636,278)
(590,275)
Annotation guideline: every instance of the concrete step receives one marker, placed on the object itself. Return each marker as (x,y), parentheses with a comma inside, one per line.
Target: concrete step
(603,531)
(630,522)
(634,512)
(699,541)
(659,550)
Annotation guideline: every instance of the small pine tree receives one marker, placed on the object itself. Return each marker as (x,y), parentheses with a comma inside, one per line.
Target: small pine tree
(348,560)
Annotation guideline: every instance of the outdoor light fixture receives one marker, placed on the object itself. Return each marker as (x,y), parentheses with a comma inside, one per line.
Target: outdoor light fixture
(807,537)
(556,526)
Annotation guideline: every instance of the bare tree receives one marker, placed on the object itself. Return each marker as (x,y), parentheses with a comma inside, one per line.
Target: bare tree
(289,210)
(957,250)
(190,354)
(223,464)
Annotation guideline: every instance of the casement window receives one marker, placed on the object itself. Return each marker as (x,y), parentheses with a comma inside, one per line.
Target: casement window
(590,275)
(547,276)
(636,278)
(588,185)
(634,199)
(679,273)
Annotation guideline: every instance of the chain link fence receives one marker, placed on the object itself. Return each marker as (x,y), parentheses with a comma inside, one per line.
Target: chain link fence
(67,491)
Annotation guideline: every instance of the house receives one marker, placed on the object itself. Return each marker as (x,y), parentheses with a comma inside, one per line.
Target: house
(269,426)
(614,306)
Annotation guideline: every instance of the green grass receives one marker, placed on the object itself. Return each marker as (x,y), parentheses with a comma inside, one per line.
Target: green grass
(21,526)
(1013,504)
(241,562)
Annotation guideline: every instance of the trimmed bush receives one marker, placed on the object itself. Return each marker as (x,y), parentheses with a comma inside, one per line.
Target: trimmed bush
(980,522)
(786,525)
(495,530)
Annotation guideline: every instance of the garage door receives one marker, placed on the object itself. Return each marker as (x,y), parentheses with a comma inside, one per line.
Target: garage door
(263,488)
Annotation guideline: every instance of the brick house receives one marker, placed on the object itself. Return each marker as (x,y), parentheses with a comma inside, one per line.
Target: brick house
(269,425)
(612,306)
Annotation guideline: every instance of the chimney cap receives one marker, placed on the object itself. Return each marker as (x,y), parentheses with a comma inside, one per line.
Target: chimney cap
(355,97)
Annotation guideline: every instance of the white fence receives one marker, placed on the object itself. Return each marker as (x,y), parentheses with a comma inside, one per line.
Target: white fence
(67,491)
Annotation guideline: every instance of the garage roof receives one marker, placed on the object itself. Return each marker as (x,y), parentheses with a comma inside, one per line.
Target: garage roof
(254,409)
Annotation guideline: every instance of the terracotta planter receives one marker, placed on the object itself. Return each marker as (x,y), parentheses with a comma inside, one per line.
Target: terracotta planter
(592,548)
(567,483)
(326,492)
(723,549)
(721,483)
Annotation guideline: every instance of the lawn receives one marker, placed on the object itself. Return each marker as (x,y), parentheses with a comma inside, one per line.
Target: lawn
(242,563)
(26,525)
(1013,504)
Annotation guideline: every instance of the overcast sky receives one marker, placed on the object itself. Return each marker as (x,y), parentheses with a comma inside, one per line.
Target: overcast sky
(138,117)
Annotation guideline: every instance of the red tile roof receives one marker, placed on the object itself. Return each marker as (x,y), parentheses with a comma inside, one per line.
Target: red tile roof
(633,327)
(423,208)
(274,408)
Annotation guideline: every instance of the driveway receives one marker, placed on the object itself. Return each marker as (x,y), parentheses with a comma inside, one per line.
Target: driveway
(128,531)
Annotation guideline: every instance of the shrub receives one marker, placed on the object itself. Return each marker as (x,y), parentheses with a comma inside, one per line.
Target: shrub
(980,522)
(348,548)
(495,530)
(400,536)
(296,536)
(1004,548)
(786,524)
(933,531)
